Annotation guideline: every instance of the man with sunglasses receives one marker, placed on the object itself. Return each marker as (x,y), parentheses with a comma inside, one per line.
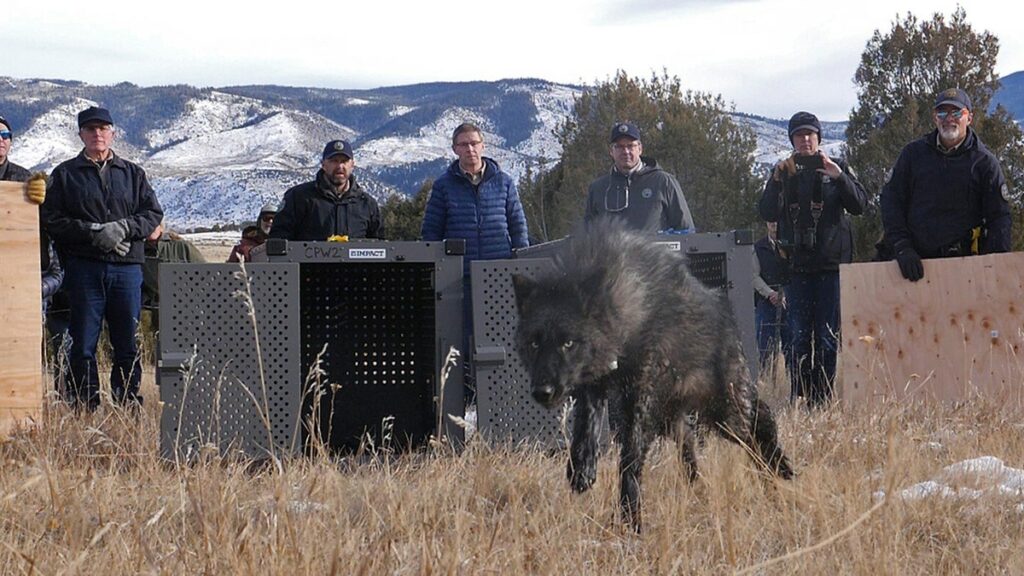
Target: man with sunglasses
(946,196)
(99,210)
(636,190)
(255,235)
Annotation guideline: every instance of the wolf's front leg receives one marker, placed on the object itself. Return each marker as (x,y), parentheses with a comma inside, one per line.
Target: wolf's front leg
(586,435)
(634,444)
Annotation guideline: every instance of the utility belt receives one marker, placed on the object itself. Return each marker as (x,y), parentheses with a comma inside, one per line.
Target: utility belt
(967,246)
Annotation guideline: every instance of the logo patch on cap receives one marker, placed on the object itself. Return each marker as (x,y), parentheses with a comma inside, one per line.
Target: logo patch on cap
(623,128)
(950,93)
(339,146)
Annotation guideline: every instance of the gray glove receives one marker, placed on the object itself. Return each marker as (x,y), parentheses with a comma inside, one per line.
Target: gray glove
(123,247)
(106,236)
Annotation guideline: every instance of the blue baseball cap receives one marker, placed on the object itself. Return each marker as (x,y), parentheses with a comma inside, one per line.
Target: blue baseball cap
(335,147)
(955,97)
(625,129)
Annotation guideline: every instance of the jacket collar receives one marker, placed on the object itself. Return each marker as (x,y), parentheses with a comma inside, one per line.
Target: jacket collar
(83,160)
(490,169)
(325,189)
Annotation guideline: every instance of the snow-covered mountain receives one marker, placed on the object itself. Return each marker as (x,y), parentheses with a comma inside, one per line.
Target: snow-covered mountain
(215,156)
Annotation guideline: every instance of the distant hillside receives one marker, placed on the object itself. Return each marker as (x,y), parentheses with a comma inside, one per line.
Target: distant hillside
(216,155)
(1011,95)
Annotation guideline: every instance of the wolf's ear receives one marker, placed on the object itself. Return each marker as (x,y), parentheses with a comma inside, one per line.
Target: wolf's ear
(523,286)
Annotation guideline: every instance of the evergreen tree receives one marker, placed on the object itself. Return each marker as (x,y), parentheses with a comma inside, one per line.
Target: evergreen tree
(403,216)
(899,75)
(689,133)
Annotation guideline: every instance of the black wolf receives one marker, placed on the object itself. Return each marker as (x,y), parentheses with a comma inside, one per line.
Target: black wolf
(621,319)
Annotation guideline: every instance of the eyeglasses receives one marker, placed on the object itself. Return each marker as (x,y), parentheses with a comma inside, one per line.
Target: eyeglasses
(267,218)
(5,134)
(956,114)
(623,147)
(473,144)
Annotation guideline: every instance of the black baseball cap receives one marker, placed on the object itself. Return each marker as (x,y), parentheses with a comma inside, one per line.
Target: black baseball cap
(94,115)
(335,147)
(804,121)
(6,123)
(624,129)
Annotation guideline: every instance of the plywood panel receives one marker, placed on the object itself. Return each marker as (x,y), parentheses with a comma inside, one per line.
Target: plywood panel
(21,333)
(956,333)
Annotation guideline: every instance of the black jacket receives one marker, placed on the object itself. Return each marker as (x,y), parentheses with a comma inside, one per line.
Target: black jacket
(11,172)
(788,202)
(76,198)
(934,199)
(310,212)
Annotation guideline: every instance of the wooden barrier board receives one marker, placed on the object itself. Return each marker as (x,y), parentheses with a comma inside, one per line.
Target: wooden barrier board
(956,333)
(21,329)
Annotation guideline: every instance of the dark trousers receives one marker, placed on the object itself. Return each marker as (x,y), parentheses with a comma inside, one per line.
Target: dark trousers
(772,333)
(99,291)
(813,301)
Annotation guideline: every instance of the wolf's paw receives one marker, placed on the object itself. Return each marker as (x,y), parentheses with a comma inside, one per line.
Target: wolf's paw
(581,477)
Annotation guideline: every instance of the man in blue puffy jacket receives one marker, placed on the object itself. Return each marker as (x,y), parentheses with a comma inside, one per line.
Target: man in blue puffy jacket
(475,201)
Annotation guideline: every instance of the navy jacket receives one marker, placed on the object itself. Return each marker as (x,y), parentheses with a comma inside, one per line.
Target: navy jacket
(308,212)
(76,198)
(934,199)
(488,216)
(789,203)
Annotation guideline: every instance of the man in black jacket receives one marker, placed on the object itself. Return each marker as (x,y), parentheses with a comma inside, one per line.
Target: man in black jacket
(809,194)
(331,205)
(99,209)
(946,196)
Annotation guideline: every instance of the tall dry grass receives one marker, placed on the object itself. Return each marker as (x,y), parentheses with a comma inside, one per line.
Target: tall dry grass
(87,493)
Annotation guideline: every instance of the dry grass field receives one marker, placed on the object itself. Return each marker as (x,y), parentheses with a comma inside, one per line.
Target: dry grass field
(88,494)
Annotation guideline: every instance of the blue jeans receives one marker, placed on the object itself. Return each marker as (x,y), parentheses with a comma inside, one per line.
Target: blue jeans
(96,291)
(813,301)
(768,319)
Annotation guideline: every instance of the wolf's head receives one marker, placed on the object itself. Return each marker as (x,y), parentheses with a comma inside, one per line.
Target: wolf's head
(575,323)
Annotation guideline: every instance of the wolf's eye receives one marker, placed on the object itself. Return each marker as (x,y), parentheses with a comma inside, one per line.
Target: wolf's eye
(534,344)
(567,344)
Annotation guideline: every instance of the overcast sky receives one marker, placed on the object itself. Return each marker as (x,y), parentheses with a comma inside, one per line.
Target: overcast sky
(767,57)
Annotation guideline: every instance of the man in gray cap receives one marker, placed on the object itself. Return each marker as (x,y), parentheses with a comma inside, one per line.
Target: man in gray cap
(332,204)
(636,189)
(946,195)
(254,235)
(99,210)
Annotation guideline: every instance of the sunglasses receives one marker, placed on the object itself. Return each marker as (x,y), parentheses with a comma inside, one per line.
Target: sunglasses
(6,134)
(956,114)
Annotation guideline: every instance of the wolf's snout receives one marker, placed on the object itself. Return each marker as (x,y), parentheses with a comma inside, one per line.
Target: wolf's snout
(544,393)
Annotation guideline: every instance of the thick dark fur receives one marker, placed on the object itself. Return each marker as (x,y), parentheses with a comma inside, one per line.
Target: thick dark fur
(622,319)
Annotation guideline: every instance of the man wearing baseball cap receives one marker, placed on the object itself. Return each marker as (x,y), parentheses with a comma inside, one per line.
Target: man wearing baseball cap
(636,190)
(812,195)
(99,210)
(946,196)
(332,204)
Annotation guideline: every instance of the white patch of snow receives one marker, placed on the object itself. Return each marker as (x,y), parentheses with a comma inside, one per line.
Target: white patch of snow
(397,111)
(357,102)
(969,480)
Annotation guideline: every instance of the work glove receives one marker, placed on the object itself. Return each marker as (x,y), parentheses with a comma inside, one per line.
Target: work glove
(784,169)
(122,248)
(35,188)
(106,236)
(909,261)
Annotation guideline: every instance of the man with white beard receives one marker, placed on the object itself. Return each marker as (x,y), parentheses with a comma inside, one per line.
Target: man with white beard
(946,195)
